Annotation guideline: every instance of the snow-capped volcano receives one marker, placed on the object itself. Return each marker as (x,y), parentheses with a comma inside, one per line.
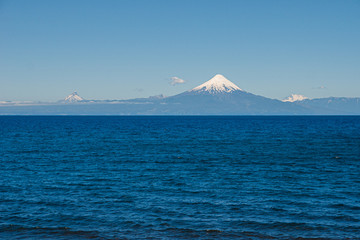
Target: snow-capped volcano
(74,97)
(294,98)
(217,84)
(220,96)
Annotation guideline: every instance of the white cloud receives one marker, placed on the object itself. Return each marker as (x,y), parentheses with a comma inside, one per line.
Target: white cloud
(321,88)
(175,80)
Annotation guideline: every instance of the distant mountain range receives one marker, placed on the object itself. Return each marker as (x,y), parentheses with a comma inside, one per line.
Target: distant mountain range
(218,96)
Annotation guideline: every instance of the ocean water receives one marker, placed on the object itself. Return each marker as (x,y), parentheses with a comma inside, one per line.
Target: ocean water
(179,177)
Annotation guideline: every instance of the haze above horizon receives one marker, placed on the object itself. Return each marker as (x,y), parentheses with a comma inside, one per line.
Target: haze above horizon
(128,49)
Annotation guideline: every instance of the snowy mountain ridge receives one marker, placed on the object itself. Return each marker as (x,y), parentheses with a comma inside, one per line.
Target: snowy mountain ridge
(217,84)
(294,98)
(74,97)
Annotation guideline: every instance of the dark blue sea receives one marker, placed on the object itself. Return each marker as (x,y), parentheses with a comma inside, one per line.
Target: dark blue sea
(85,177)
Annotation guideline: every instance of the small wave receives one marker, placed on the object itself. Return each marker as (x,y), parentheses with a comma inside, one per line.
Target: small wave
(344,206)
(15,231)
(185,233)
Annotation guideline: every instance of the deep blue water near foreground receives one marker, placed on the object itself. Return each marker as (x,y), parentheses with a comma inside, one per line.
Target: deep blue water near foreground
(179,177)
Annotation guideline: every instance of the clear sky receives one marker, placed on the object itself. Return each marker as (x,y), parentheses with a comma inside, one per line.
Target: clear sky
(113,49)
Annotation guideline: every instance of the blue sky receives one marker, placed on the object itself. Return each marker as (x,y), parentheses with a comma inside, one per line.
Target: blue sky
(127,49)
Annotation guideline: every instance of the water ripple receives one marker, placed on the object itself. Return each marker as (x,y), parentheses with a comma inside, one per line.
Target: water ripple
(179,177)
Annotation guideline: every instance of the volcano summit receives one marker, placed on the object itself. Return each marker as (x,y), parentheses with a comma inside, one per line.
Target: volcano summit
(217,84)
